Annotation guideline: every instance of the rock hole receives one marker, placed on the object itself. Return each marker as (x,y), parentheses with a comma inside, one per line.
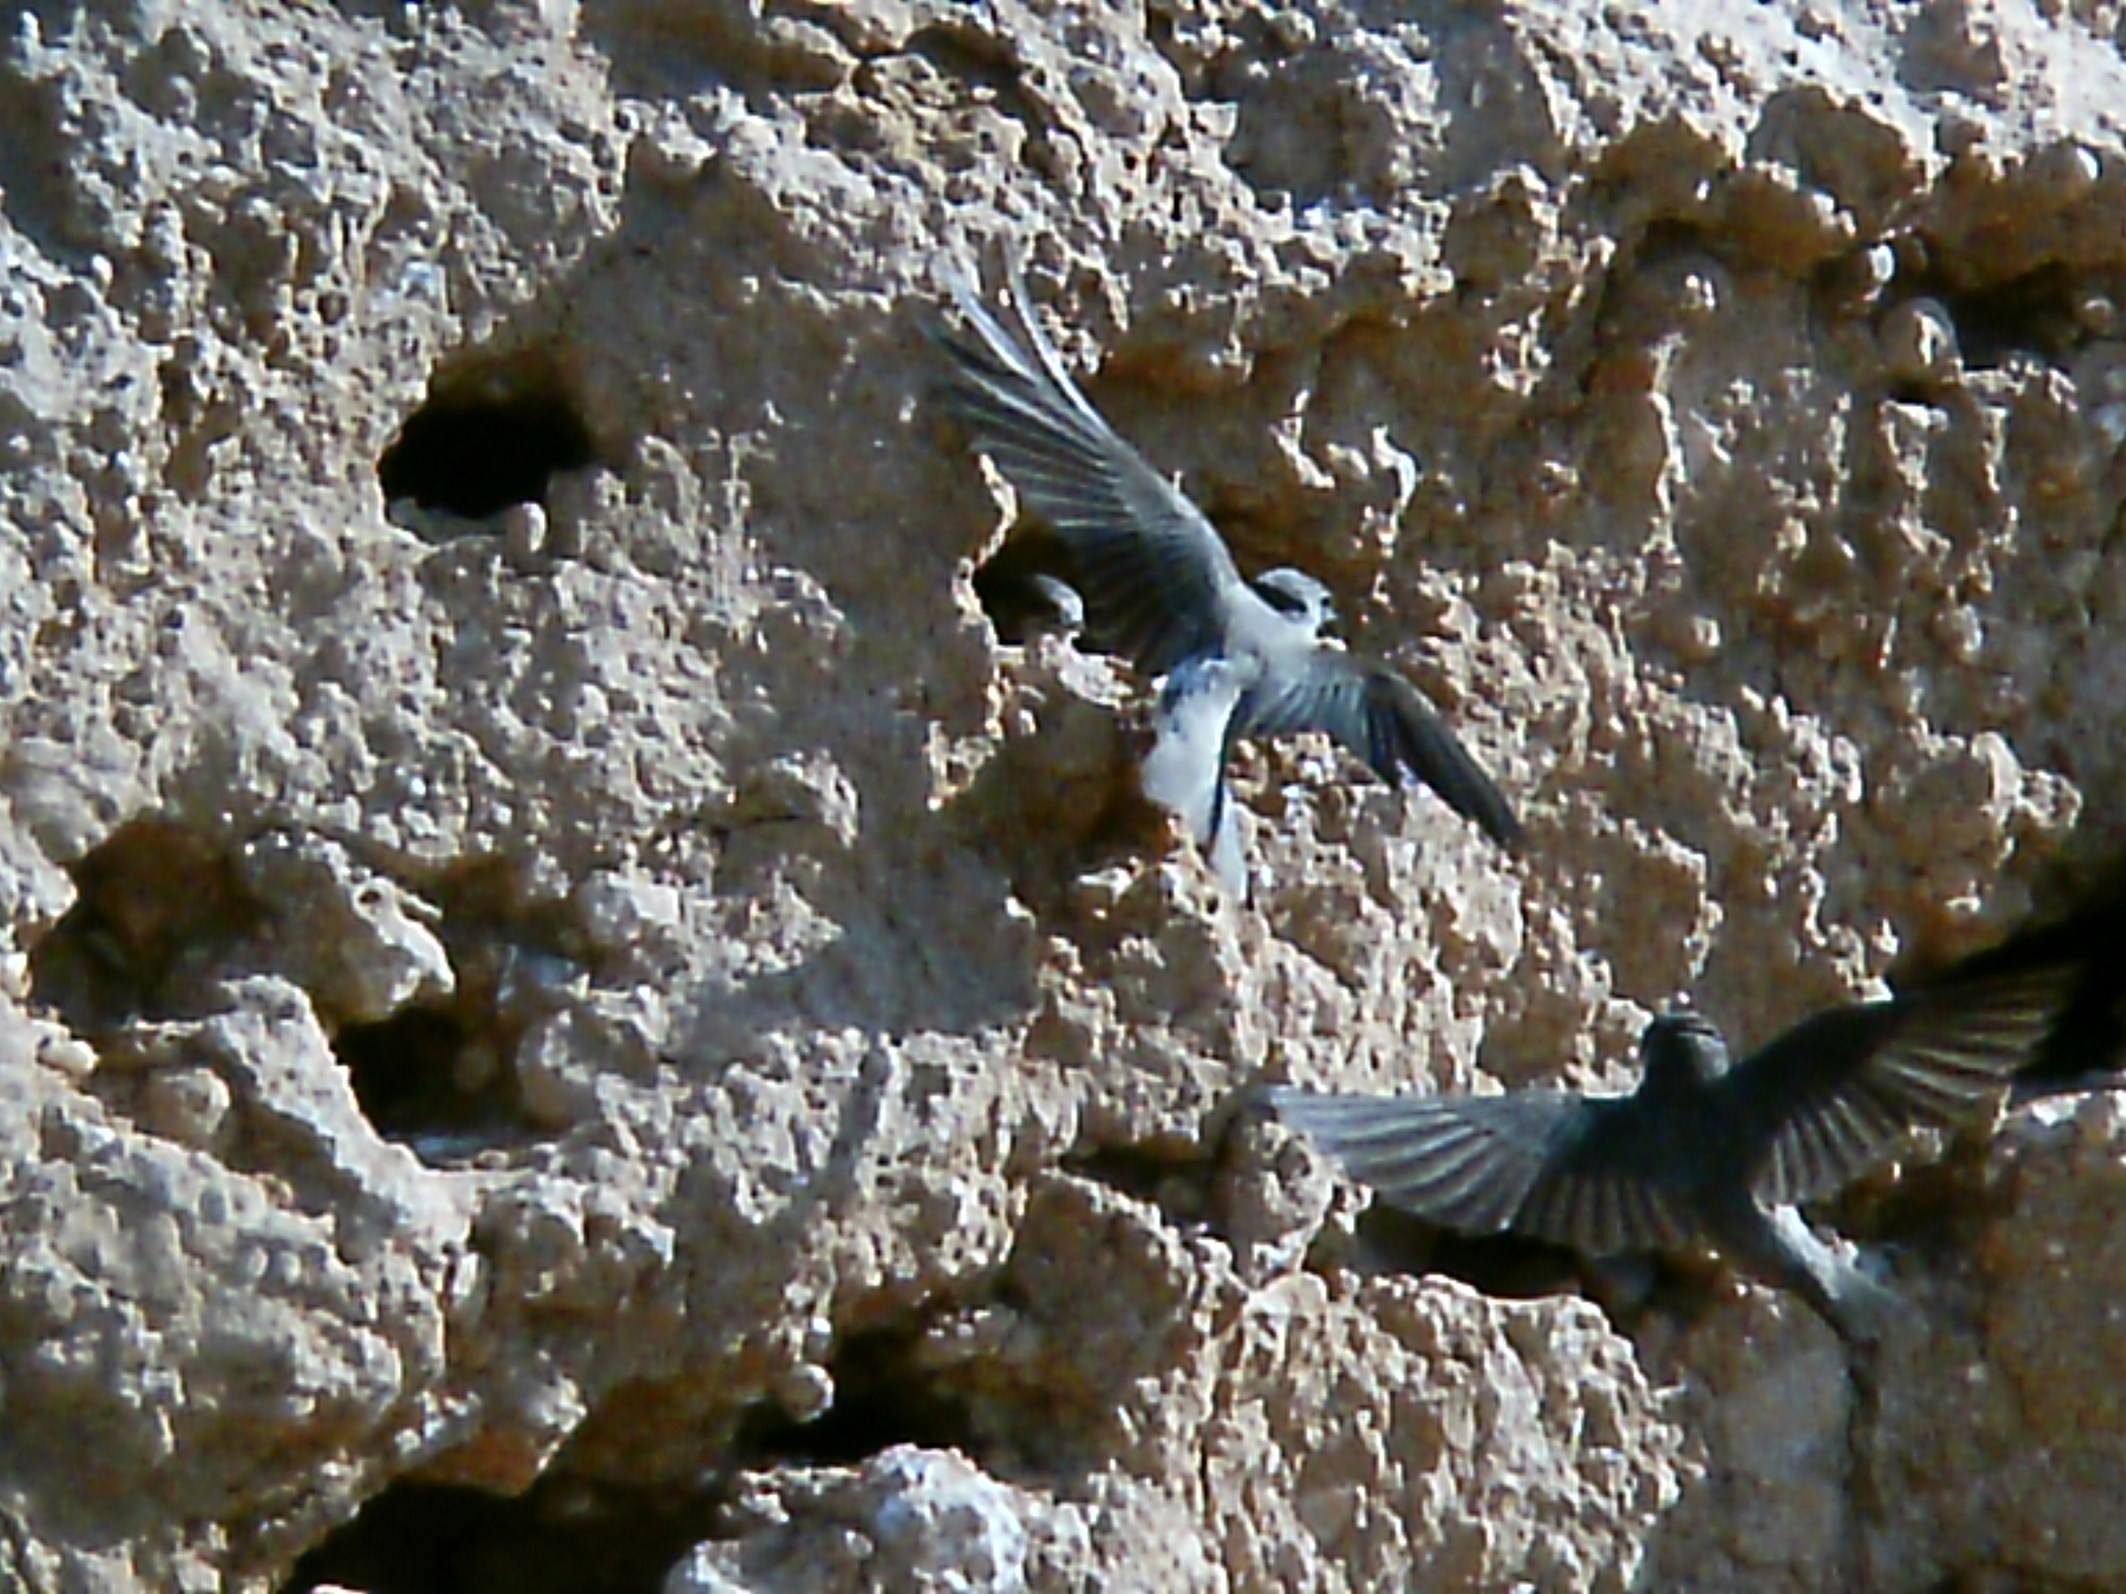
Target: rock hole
(441,1076)
(1507,1266)
(970,56)
(2048,311)
(883,1397)
(488,437)
(1513,1267)
(1936,1210)
(564,1535)
(157,904)
(423,1076)
(1025,588)
(37,186)
(1177,1181)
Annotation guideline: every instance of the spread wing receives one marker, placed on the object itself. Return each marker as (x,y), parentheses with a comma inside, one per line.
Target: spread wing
(1548,1164)
(1836,1095)
(1380,718)
(1155,576)
(2087,1048)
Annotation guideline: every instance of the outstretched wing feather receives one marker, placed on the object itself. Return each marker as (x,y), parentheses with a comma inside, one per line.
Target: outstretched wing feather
(1153,571)
(1381,719)
(1547,1164)
(1838,1094)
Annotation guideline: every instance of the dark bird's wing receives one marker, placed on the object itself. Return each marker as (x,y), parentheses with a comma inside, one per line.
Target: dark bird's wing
(1155,576)
(2087,1047)
(1547,1164)
(1835,1095)
(1382,719)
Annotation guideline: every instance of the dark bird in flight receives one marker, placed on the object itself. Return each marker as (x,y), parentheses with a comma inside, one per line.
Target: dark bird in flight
(1707,1152)
(2086,1049)
(1160,587)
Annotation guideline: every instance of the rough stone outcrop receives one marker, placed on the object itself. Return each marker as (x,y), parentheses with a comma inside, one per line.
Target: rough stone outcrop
(570,1013)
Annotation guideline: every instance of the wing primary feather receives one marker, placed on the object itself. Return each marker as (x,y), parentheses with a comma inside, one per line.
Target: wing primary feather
(1465,1163)
(1839,1093)
(1153,573)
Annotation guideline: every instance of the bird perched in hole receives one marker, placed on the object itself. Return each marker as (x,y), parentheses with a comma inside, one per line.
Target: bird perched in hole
(1706,1152)
(1159,586)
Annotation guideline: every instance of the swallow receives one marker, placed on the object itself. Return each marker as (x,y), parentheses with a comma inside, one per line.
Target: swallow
(1160,587)
(1706,1151)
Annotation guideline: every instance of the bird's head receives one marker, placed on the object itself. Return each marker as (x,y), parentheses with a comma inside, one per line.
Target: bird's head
(1681,1049)
(1297,594)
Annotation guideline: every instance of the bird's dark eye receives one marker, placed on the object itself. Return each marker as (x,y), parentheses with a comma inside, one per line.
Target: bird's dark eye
(1279,599)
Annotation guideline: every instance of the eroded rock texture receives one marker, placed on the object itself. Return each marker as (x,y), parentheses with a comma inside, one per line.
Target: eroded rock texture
(572,1018)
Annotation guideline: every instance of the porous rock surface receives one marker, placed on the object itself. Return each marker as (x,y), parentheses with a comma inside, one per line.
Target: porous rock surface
(608,1016)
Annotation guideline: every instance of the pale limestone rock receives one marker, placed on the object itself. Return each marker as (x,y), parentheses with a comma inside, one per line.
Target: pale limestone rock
(569,998)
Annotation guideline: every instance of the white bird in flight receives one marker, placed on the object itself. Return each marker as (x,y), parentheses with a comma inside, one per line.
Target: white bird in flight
(1160,587)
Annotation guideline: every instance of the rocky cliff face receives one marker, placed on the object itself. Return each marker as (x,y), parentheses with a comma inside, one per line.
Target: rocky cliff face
(597,1029)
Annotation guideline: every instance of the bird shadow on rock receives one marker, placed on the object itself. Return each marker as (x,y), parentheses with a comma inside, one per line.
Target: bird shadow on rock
(1630,1289)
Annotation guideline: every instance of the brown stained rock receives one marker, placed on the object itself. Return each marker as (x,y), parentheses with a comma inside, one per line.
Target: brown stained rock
(646,993)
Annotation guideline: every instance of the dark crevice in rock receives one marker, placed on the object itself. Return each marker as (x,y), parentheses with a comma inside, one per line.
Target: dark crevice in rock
(1515,1267)
(988,64)
(36,184)
(1025,587)
(763,50)
(1177,1179)
(1933,1210)
(158,902)
(441,1076)
(490,435)
(971,56)
(420,1075)
(883,1396)
(2001,1577)
(2049,311)
(993,1377)
(1505,1265)
(565,1535)
(1677,240)
(1845,284)
(1160,34)
(484,900)
(1923,395)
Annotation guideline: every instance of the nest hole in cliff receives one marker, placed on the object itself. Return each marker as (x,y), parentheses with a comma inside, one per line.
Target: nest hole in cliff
(1178,1177)
(2048,311)
(883,1396)
(157,903)
(441,1076)
(429,1079)
(1025,588)
(491,434)
(564,1535)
